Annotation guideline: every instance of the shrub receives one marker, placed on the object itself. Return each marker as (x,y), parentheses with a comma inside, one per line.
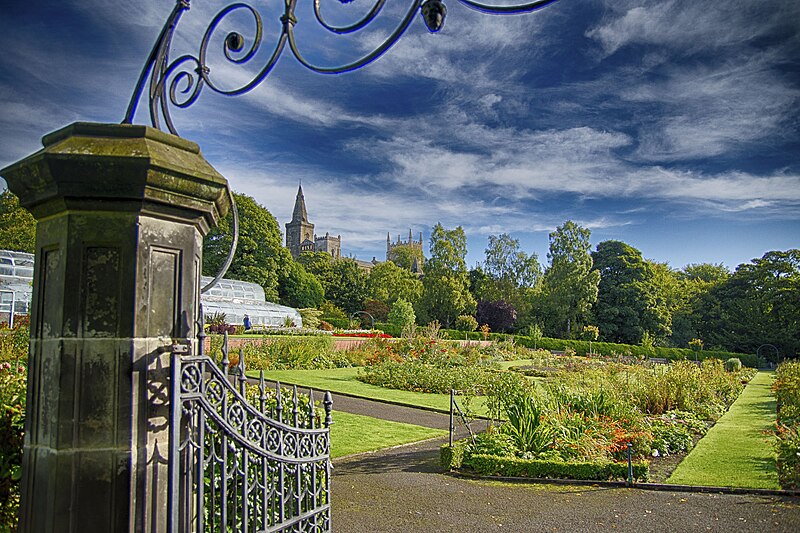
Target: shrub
(290,353)
(12,418)
(466,323)
(310,317)
(452,457)
(499,315)
(489,465)
(787,447)
(733,364)
(402,314)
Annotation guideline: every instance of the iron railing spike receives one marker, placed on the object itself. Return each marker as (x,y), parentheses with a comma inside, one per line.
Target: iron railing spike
(295,401)
(311,408)
(328,404)
(279,402)
(262,391)
(242,376)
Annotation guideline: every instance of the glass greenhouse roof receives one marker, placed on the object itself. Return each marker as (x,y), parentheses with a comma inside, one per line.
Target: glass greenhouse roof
(232,297)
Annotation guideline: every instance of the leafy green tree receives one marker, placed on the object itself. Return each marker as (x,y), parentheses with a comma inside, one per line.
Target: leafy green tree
(758,304)
(17,225)
(507,274)
(446,283)
(712,273)
(388,282)
(260,256)
(570,283)
(402,314)
(630,298)
(299,288)
(510,268)
(346,285)
(693,281)
(590,333)
(466,323)
(404,255)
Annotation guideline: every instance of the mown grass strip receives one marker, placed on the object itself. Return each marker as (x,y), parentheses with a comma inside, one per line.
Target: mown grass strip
(343,381)
(357,434)
(736,452)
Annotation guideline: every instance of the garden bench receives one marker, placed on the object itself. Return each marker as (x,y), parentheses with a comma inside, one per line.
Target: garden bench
(658,360)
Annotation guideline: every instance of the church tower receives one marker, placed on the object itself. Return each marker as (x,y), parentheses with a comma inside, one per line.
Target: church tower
(299,232)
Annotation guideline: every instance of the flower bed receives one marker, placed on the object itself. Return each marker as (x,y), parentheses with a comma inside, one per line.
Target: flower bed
(363,334)
(578,423)
(787,425)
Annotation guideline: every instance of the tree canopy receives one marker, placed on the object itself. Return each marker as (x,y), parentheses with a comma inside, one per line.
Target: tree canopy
(388,282)
(758,304)
(260,256)
(629,302)
(17,225)
(446,283)
(570,284)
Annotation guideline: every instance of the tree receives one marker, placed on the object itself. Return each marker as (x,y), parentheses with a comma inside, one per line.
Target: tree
(17,225)
(570,283)
(346,285)
(500,315)
(260,256)
(299,288)
(590,333)
(388,282)
(377,309)
(511,268)
(446,283)
(758,304)
(402,314)
(632,294)
(705,272)
(693,282)
(404,255)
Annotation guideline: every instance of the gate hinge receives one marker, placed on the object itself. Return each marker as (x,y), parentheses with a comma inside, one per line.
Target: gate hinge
(182,349)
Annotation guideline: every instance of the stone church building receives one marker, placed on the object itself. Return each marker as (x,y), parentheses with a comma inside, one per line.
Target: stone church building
(300,236)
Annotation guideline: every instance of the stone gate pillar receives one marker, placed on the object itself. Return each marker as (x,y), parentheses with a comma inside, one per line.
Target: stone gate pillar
(121,211)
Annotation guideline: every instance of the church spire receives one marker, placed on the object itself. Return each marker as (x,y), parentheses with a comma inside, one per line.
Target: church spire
(299,214)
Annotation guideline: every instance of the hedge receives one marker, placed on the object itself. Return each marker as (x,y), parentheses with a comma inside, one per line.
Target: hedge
(610,349)
(452,457)
(492,465)
(456,457)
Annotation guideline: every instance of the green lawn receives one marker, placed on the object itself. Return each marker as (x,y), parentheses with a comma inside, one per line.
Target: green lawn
(736,452)
(356,434)
(343,380)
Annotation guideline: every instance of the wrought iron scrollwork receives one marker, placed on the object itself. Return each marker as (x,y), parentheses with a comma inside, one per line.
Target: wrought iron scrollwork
(245,458)
(179,82)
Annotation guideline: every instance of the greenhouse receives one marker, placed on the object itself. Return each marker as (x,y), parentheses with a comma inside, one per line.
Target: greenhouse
(235,299)
(230,297)
(16,290)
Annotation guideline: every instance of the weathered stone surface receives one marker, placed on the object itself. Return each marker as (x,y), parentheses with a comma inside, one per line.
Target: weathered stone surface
(121,167)
(122,211)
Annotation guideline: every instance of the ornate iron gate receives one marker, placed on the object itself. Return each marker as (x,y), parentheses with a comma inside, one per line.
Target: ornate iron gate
(243,458)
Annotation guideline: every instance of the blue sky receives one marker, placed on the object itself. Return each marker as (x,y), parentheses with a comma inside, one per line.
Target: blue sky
(671,125)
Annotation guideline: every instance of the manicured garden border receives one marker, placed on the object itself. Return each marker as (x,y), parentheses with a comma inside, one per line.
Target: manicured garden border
(452,458)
